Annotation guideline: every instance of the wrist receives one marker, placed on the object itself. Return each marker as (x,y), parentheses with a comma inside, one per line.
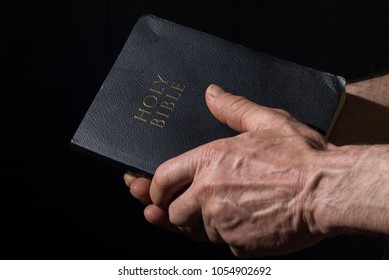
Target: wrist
(351,193)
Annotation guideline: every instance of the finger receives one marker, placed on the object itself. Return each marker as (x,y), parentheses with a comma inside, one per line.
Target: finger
(185,210)
(128,179)
(160,218)
(240,113)
(140,189)
(172,178)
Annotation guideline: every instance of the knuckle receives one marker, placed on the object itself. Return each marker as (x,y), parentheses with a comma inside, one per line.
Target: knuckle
(173,217)
(159,173)
(283,112)
(160,177)
(238,104)
(210,153)
(237,101)
(216,211)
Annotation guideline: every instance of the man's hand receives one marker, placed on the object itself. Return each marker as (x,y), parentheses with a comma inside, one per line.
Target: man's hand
(272,189)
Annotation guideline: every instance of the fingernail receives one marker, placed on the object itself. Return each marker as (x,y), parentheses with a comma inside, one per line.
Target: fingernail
(128,179)
(215,90)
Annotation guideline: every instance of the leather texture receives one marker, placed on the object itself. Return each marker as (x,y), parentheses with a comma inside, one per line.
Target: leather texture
(184,56)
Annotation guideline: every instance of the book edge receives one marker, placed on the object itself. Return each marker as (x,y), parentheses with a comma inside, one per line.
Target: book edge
(337,113)
(105,159)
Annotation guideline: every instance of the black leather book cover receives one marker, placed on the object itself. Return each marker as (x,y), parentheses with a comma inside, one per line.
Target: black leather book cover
(151,106)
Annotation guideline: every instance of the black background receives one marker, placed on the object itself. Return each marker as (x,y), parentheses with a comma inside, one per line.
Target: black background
(55,204)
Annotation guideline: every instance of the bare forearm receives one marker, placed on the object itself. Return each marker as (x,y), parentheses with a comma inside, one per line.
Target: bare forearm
(359,201)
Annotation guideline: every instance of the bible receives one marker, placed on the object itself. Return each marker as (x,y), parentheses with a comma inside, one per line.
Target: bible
(151,106)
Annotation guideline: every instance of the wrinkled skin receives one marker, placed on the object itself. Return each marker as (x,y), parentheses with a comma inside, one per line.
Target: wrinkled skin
(250,203)
(261,192)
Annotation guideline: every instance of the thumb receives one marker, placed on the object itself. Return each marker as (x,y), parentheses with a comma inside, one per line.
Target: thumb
(240,113)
